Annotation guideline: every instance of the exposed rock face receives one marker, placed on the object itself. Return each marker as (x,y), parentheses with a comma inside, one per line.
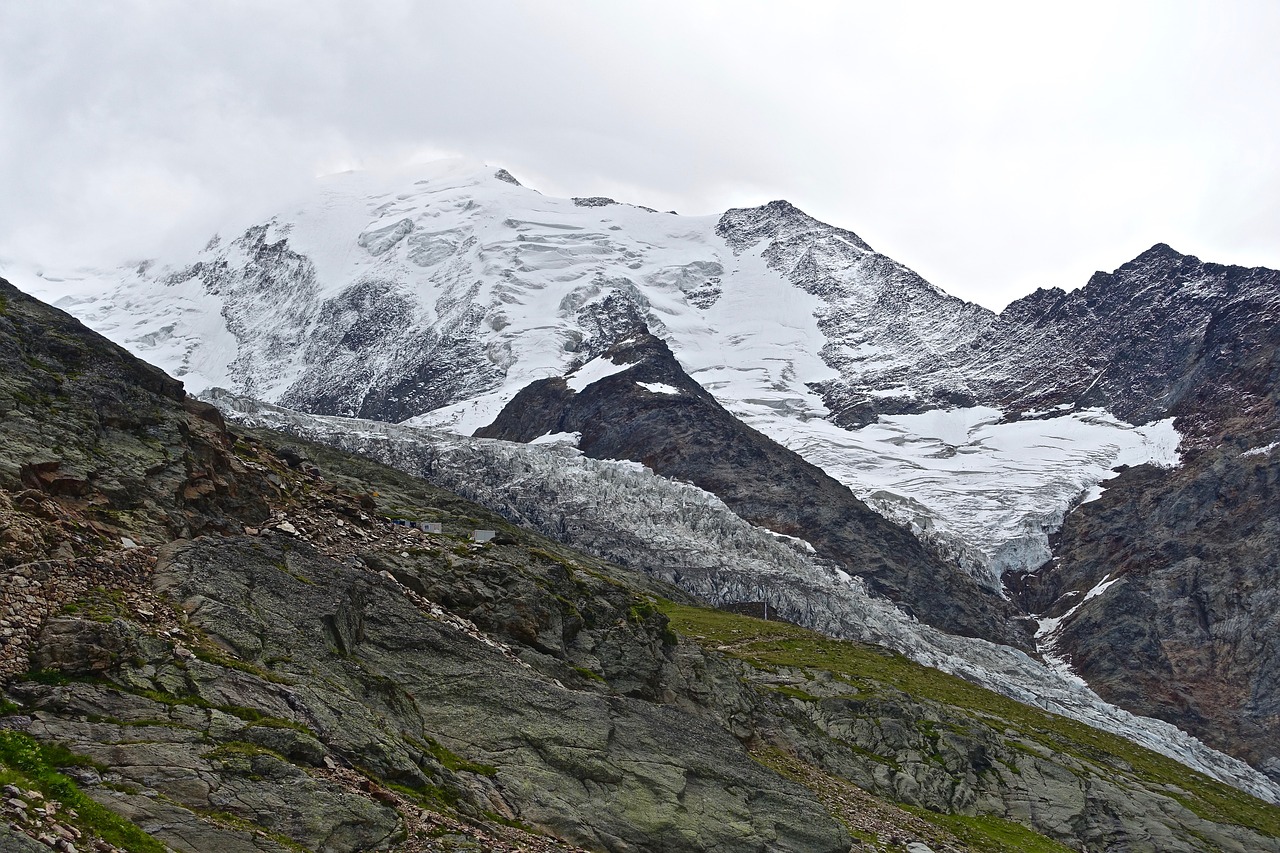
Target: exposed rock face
(1186,631)
(1189,628)
(684,434)
(1165,334)
(109,435)
(606,771)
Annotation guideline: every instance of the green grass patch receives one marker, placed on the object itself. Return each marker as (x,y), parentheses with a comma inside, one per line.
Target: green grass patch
(589,674)
(431,797)
(298,576)
(249,715)
(451,760)
(51,677)
(494,817)
(231,821)
(555,559)
(878,671)
(30,764)
(211,653)
(794,693)
(98,604)
(645,610)
(988,834)
(267,722)
(240,749)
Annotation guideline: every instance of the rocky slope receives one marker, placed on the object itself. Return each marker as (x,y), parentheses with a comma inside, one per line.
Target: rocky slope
(308,672)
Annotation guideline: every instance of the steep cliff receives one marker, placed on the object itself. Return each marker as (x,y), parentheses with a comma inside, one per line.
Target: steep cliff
(1161,590)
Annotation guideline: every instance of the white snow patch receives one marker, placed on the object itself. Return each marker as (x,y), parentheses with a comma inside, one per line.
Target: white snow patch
(592,372)
(798,542)
(569,438)
(1049,625)
(1092,493)
(1104,585)
(1047,628)
(659,387)
(466,417)
(1262,451)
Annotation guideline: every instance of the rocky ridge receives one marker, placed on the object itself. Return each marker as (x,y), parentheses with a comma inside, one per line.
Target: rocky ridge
(897,342)
(1165,334)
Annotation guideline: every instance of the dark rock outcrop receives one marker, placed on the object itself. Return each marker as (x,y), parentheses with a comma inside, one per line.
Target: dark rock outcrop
(1189,629)
(688,436)
(1165,334)
(102,431)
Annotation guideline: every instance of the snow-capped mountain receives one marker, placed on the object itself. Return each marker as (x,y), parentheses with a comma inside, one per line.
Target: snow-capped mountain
(1124,410)
(436,297)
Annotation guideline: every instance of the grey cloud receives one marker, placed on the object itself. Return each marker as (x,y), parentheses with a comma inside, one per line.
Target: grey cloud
(994,147)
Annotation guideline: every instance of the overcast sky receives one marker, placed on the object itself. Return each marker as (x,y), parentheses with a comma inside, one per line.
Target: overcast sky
(992,147)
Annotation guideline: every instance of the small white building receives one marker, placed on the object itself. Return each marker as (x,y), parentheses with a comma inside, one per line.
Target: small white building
(483,535)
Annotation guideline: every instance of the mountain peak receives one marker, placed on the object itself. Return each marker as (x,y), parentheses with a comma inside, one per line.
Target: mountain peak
(504,175)
(1159,252)
(746,226)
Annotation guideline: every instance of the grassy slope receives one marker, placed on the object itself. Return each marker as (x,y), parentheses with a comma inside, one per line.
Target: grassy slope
(31,766)
(870,670)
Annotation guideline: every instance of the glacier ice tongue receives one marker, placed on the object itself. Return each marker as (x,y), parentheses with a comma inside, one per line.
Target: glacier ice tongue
(984,490)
